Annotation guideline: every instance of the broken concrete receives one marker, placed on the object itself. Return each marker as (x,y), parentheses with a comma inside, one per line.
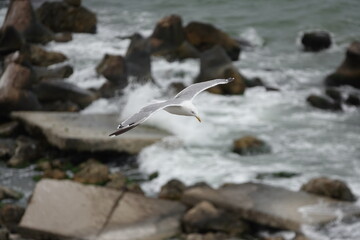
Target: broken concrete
(73,131)
(69,210)
(272,206)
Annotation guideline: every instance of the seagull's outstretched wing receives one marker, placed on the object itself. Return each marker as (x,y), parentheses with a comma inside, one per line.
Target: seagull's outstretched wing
(191,91)
(142,115)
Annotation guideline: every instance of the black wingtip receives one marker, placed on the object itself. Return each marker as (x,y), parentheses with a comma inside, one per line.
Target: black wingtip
(121,131)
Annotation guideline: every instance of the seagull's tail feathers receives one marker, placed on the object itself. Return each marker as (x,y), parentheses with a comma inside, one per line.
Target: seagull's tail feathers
(122,130)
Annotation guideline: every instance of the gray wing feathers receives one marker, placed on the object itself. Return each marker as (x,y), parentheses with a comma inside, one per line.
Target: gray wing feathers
(194,89)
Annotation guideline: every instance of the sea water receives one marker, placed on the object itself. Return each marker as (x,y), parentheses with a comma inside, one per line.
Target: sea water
(303,139)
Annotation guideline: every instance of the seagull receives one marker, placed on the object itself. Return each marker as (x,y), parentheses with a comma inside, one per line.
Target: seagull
(181,104)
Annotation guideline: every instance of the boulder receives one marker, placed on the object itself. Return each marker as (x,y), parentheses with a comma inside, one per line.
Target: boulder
(205,36)
(58,90)
(205,217)
(88,132)
(102,212)
(117,181)
(113,68)
(167,36)
(353,100)
(7,193)
(60,106)
(334,94)
(10,40)
(323,103)
(327,187)
(172,190)
(250,145)
(138,59)
(214,63)
(348,73)
(63,37)
(75,3)
(92,172)
(7,148)
(21,16)
(316,41)
(44,73)
(27,150)
(134,188)
(272,206)
(10,215)
(9,129)
(54,174)
(41,57)
(65,17)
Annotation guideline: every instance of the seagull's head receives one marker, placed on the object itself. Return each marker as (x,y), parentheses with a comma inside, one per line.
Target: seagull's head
(194,112)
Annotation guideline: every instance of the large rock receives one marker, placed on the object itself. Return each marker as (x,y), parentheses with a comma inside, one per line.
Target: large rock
(10,215)
(272,206)
(205,36)
(64,17)
(138,59)
(44,73)
(250,145)
(7,148)
(172,190)
(8,193)
(27,150)
(323,103)
(14,89)
(92,172)
(316,41)
(10,40)
(348,73)
(73,131)
(329,188)
(9,129)
(41,57)
(58,90)
(214,63)
(21,16)
(65,209)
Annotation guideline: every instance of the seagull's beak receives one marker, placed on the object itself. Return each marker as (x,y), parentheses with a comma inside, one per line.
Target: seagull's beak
(198,118)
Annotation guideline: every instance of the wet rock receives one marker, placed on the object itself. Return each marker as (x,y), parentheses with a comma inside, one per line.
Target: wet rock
(54,174)
(134,188)
(65,17)
(10,40)
(60,106)
(281,174)
(58,90)
(7,193)
(271,206)
(214,63)
(349,71)
(7,148)
(205,36)
(117,181)
(4,234)
(254,82)
(62,130)
(10,215)
(353,100)
(113,68)
(330,188)
(167,36)
(334,94)
(41,57)
(92,172)
(44,73)
(323,103)
(250,145)
(43,166)
(138,59)
(184,51)
(9,129)
(172,190)
(75,3)
(316,41)
(21,16)
(63,37)
(207,236)
(27,150)
(204,217)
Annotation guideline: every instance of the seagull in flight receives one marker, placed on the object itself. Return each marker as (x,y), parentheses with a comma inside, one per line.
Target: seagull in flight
(181,104)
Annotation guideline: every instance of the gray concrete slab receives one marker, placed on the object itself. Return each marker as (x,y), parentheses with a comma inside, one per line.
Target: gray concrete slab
(88,132)
(273,206)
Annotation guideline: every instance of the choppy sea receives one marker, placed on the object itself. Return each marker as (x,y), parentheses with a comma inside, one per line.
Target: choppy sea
(303,139)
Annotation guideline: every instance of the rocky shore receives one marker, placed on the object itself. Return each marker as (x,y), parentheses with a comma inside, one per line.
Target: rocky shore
(79,196)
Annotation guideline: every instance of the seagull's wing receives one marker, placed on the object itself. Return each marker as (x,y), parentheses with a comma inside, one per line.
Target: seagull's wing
(142,115)
(191,91)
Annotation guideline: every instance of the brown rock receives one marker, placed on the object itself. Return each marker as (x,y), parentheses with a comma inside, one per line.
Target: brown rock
(9,129)
(205,36)
(316,41)
(75,3)
(172,190)
(27,150)
(214,63)
(54,174)
(113,68)
(60,106)
(7,193)
(330,188)
(92,172)
(7,148)
(16,76)
(134,188)
(63,17)
(349,71)
(63,37)
(41,57)
(10,215)
(12,99)
(44,73)
(10,40)
(21,16)
(250,145)
(117,181)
